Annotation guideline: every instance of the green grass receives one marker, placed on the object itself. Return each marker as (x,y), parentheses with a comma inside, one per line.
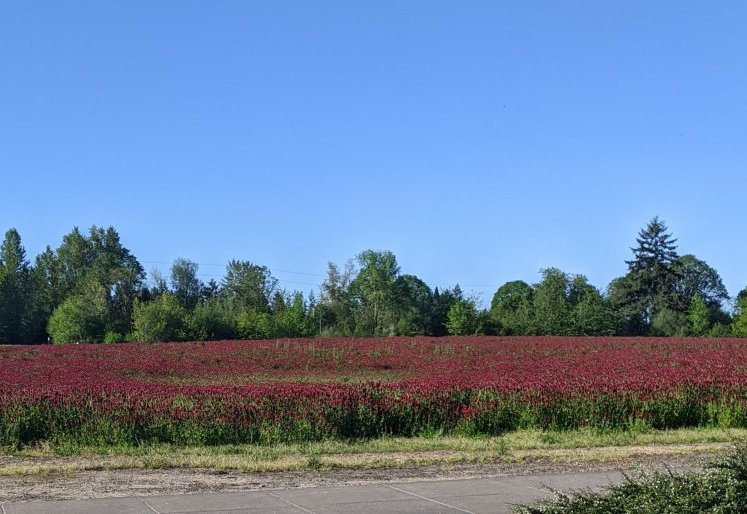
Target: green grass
(435,449)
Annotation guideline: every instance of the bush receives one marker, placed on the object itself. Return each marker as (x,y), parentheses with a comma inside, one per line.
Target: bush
(211,321)
(255,325)
(721,488)
(162,319)
(113,337)
(77,320)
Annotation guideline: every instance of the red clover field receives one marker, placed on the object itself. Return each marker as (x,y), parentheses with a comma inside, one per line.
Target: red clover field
(232,392)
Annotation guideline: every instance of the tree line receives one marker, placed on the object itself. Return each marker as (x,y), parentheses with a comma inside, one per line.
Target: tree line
(93,289)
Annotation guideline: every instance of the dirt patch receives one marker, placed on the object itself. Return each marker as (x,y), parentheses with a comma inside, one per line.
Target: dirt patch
(129,482)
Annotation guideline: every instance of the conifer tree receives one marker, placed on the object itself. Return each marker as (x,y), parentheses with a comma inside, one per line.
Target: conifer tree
(652,275)
(15,289)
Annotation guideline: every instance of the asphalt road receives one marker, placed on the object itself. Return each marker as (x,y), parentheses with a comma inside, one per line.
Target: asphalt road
(484,495)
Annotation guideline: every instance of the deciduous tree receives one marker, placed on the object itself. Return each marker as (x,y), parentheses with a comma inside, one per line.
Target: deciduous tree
(696,278)
(739,325)
(83,317)
(184,283)
(699,316)
(551,306)
(373,288)
(162,319)
(511,308)
(248,286)
(591,313)
(462,318)
(335,311)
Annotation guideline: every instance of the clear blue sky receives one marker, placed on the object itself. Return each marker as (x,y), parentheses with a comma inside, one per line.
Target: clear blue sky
(479,141)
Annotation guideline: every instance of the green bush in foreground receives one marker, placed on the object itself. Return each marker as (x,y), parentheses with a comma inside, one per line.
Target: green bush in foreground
(721,488)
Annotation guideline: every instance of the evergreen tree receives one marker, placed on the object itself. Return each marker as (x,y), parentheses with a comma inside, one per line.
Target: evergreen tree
(15,290)
(650,285)
(414,304)
(46,294)
(656,252)
(653,265)
(210,290)
(439,312)
(442,303)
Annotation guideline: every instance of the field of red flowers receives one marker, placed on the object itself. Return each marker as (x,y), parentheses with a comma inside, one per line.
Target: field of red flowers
(295,390)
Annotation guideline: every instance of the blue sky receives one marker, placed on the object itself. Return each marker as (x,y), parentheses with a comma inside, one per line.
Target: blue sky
(478,141)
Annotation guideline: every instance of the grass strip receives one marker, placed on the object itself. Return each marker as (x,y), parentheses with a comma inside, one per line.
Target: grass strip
(560,446)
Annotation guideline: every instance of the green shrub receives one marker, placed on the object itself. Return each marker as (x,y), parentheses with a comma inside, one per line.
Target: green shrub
(113,337)
(721,488)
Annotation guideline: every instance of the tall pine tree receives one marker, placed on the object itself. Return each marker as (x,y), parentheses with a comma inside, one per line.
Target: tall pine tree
(649,288)
(15,290)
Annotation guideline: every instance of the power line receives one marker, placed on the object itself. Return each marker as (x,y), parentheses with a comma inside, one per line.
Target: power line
(298,272)
(302,273)
(278,270)
(203,275)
